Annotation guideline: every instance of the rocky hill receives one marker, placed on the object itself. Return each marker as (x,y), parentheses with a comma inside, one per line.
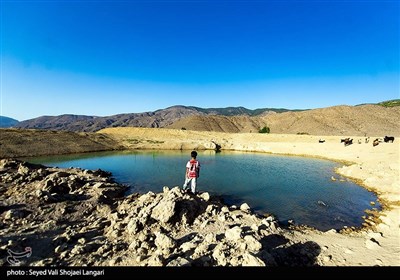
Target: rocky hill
(7,122)
(338,120)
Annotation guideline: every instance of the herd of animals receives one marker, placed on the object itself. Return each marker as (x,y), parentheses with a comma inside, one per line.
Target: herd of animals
(349,141)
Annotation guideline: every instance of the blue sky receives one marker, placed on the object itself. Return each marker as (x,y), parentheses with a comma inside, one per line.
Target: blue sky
(108,57)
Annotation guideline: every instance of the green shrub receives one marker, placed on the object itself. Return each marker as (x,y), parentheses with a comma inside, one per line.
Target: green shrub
(265,129)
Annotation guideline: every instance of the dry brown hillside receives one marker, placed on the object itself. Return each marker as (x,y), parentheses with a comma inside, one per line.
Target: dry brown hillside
(33,142)
(219,123)
(337,120)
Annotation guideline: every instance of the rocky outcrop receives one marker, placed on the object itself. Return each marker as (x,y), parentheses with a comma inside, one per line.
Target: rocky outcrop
(81,217)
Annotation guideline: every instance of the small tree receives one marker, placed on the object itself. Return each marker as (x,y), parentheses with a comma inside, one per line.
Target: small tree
(265,129)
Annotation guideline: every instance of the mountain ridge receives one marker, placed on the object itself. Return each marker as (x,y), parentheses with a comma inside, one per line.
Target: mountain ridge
(157,118)
(335,120)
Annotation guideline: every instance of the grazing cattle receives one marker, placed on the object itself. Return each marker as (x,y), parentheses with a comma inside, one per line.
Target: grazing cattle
(388,139)
(376,142)
(367,140)
(359,141)
(321,140)
(346,141)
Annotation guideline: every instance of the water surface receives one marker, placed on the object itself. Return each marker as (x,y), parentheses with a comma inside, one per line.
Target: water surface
(290,187)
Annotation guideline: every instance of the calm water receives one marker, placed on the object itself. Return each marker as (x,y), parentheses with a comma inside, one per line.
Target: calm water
(289,187)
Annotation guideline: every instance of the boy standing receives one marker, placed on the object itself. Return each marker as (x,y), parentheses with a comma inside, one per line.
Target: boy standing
(192,172)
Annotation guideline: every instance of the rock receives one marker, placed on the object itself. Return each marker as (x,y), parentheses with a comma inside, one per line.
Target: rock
(245,207)
(155,260)
(254,227)
(205,196)
(77,250)
(82,240)
(224,209)
(163,241)
(331,231)
(23,170)
(219,255)
(251,260)
(372,244)
(179,262)
(204,224)
(273,227)
(164,211)
(222,217)
(200,250)
(253,245)
(210,238)
(115,261)
(133,227)
(234,233)
(187,246)
(15,214)
(134,245)
(327,258)
(210,208)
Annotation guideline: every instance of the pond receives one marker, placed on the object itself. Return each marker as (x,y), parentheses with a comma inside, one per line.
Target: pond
(290,187)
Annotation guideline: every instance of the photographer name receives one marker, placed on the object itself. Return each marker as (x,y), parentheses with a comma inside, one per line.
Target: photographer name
(55,272)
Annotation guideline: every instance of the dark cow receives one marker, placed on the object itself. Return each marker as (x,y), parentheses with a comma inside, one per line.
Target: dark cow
(346,141)
(388,139)
(321,140)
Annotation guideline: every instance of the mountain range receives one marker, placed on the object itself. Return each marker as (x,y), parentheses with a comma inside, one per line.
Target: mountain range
(158,118)
(365,119)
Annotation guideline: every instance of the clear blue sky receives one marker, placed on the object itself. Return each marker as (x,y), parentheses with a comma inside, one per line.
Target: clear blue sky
(109,57)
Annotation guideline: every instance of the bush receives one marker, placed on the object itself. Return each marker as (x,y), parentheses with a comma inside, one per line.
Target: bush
(265,129)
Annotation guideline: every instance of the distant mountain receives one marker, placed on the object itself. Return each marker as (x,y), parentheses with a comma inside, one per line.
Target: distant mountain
(390,103)
(387,103)
(369,119)
(337,120)
(159,118)
(235,111)
(7,122)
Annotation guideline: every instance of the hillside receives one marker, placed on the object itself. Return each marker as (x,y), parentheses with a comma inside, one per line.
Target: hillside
(158,118)
(29,142)
(371,119)
(7,122)
(337,120)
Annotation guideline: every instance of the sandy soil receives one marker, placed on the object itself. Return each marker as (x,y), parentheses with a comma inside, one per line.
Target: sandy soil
(375,168)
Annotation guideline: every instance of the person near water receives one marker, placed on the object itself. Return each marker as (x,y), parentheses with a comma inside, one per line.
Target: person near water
(192,172)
